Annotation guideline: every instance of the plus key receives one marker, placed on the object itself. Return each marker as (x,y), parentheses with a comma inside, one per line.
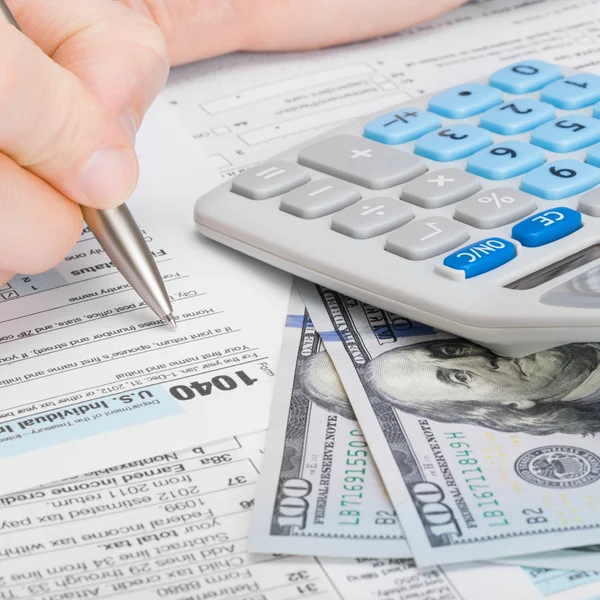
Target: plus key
(363,162)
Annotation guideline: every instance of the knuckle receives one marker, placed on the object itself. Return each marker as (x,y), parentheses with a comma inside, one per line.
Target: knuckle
(149,43)
(163,14)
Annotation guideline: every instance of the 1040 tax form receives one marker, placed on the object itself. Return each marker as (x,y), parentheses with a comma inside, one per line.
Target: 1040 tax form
(89,377)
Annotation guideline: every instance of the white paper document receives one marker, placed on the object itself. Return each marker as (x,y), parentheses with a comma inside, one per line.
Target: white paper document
(90,377)
(175,525)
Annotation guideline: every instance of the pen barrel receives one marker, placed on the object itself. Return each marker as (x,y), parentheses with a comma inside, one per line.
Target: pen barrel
(121,239)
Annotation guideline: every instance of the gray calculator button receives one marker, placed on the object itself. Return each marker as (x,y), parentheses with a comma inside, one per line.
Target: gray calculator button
(494,208)
(426,238)
(319,198)
(361,161)
(589,203)
(269,179)
(440,188)
(371,217)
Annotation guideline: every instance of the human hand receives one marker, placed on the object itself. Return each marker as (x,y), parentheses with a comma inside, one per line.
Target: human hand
(196,29)
(70,104)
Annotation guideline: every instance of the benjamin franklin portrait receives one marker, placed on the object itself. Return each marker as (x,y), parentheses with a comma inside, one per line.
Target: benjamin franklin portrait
(456,381)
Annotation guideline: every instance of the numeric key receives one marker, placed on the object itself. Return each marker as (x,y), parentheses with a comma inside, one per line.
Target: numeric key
(453,143)
(505,160)
(525,77)
(518,116)
(576,91)
(567,134)
(560,179)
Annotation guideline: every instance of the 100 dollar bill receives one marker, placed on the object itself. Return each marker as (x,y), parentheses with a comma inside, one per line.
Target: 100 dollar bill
(319,492)
(483,456)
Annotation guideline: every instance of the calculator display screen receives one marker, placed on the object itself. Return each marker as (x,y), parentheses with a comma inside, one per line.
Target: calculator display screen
(556,269)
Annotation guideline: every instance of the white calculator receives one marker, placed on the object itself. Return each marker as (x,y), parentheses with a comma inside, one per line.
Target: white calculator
(475,210)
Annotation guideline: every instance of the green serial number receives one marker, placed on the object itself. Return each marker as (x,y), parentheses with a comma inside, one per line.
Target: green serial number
(354,479)
(476,481)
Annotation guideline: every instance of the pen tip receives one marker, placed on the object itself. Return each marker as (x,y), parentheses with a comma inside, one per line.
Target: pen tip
(171,321)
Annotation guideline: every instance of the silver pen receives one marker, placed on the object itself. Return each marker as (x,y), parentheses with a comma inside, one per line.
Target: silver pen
(121,239)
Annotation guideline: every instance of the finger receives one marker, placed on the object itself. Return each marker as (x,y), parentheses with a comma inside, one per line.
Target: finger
(58,129)
(196,29)
(38,225)
(117,52)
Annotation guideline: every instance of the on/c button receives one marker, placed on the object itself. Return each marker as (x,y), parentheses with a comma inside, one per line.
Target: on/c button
(481,257)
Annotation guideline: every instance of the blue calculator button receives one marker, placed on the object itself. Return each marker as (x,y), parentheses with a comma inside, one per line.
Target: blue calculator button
(401,126)
(525,77)
(465,100)
(567,133)
(453,143)
(560,179)
(573,92)
(547,226)
(593,155)
(481,257)
(505,160)
(523,114)
(597,111)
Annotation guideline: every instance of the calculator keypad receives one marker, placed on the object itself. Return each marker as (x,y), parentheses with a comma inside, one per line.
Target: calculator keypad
(370,218)
(518,116)
(440,188)
(269,179)
(401,126)
(567,134)
(465,100)
(362,161)
(505,160)
(547,226)
(576,91)
(405,217)
(319,198)
(425,238)
(560,179)
(453,143)
(494,208)
(524,77)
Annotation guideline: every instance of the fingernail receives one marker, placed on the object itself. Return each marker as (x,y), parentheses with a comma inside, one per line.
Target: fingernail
(109,177)
(129,124)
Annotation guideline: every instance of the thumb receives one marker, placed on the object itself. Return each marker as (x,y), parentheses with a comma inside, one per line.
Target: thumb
(60,131)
